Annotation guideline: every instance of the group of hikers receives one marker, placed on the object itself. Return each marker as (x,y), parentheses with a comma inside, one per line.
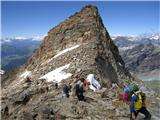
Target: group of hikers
(137,100)
(131,94)
(89,83)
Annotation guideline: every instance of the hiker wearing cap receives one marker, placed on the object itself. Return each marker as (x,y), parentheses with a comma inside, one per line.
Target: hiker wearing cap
(136,104)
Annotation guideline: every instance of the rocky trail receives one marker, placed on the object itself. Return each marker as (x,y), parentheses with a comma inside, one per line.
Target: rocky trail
(40,102)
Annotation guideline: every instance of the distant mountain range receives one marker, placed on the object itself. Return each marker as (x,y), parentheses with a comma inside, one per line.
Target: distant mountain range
(15,52)
(142,58)
(128,42)
(141,54)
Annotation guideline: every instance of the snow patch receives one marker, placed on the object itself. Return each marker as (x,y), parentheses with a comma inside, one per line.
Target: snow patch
(119,63)
(66,50)
(60,53)
(57,75)
(94,84)
(126,48)
(156,37)
(2,72)
(25,74)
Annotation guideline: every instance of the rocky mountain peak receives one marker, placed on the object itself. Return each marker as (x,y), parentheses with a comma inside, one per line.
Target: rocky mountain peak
(83,43)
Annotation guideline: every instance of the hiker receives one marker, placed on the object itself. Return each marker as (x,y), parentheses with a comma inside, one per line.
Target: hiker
(56,85)
(66,90)
(79,92)
(127,93)
(138,103)
(114,85)
(79,89)
(70,87)
(94,84)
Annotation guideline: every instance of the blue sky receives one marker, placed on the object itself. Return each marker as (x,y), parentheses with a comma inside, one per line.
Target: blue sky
(37,18)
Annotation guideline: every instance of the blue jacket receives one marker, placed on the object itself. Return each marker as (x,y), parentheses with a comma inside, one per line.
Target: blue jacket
(66,89)
(133,100)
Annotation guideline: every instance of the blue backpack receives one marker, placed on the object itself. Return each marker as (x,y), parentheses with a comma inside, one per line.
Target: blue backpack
(127,89)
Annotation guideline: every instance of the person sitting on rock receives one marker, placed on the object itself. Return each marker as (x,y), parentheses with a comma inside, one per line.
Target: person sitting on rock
(137,103)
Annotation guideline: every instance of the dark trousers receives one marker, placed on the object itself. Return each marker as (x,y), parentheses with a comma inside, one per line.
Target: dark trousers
(80,96)
(145,112)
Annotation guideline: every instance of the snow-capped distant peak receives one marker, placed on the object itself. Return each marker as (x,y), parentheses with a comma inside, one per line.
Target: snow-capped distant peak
(6,40)
(129,37)
(2,72)
(126,48)
(38,37)
(155,37)
(151,36)
(20,38)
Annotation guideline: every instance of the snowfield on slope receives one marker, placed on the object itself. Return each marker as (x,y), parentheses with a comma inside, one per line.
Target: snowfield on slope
(61,53)
(25,74)
(57,75)
(126,48)
(66,50)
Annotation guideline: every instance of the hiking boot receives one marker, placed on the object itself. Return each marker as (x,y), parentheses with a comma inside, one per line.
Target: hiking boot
(148,117)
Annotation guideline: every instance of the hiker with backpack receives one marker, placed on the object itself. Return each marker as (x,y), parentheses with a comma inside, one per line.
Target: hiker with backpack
(138,103)
(56,85)
(79,89)
(126,97)
(66,90)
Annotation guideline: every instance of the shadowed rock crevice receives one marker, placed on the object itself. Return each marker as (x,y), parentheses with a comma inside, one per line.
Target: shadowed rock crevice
(106,70)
